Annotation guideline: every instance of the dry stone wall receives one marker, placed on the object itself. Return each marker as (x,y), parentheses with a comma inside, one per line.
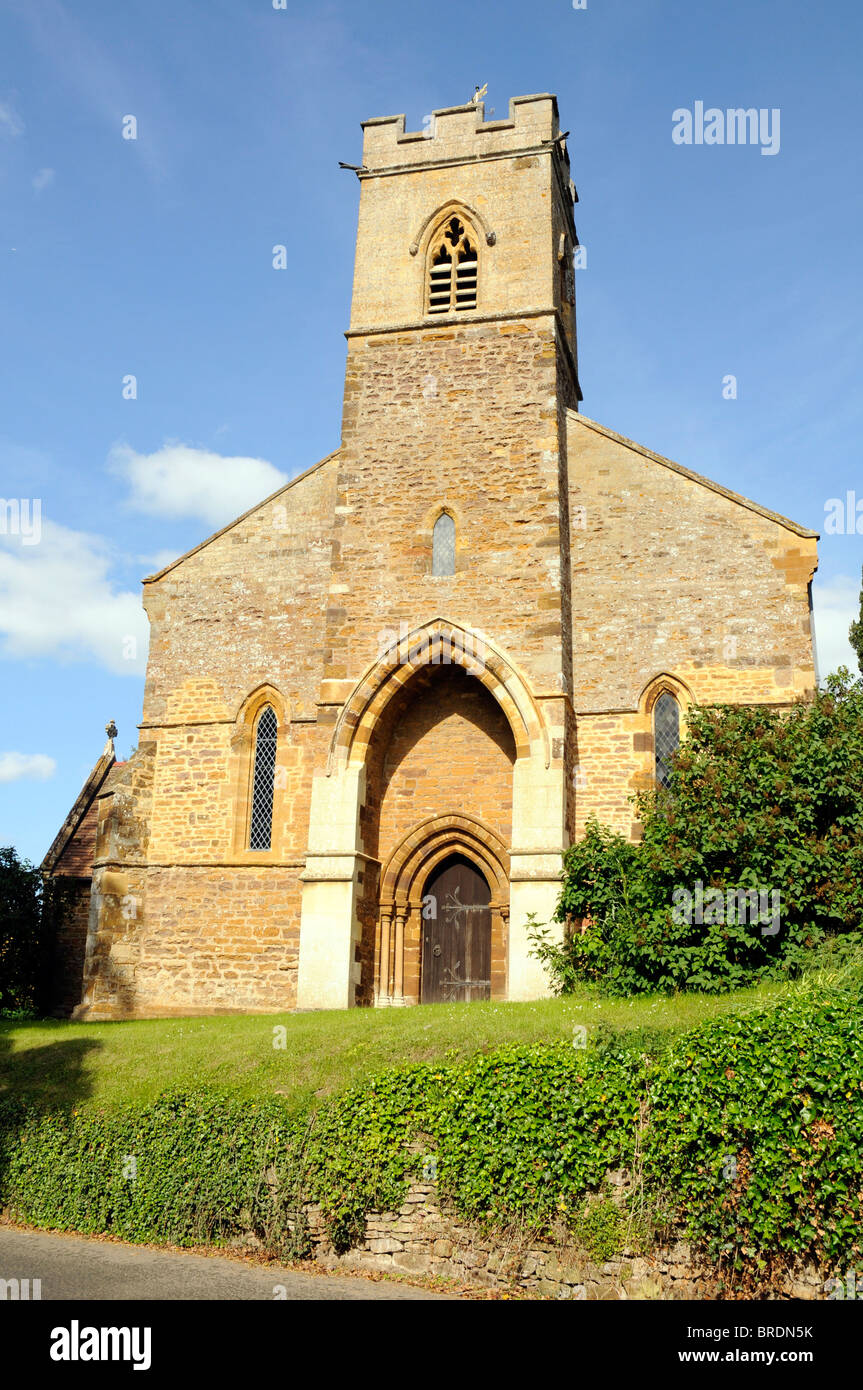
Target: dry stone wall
(425,1239)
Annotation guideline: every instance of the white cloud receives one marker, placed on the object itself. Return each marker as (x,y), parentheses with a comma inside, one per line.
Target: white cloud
(10,122)
(836,604)
(57,599)
(181,481)
(15,766)
(158,560)
(42,179)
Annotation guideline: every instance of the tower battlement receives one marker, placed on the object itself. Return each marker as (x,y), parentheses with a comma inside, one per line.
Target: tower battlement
(460,132)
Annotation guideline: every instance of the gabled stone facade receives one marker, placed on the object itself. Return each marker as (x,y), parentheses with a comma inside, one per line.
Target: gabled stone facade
(478,705)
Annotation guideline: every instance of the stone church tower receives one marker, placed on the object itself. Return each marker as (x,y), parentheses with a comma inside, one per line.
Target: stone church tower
(380,705)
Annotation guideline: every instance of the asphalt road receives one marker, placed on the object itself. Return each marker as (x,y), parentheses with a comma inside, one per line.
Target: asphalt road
(72,1267)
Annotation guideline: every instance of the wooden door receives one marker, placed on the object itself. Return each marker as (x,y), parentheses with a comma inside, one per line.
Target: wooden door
(456,954)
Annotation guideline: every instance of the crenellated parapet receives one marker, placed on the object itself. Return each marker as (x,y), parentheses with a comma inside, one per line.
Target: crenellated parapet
(458,132)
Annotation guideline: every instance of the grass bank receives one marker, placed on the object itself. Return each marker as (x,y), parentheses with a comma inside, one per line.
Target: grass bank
(90,1065)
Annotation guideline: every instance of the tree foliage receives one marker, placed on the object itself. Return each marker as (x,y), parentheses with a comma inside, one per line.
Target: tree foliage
(30,910)
(855,634)
(763,817)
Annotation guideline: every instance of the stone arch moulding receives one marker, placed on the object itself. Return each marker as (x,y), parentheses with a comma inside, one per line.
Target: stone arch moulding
(657,685)
(405,874)
(424,646)
(443,503)
(422,848)
(441,214)
(264,694)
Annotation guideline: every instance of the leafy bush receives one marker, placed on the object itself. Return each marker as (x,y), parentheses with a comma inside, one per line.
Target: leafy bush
(759,802)
(601,1230)
(520,1133)
(855,634)
(359,1157)
(527,1131)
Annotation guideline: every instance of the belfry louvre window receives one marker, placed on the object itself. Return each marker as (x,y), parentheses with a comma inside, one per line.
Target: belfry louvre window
(261,819)
(666,736)
(443,545)
(453,267)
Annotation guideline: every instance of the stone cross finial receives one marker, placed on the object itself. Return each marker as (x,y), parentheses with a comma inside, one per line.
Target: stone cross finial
(111,731)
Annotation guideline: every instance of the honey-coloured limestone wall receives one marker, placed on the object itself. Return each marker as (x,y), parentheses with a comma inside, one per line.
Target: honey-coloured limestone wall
(480,439)
(260,584)
(676,583)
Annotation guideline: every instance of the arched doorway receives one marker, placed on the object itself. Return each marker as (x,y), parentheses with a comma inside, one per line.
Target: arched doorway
(409,875)
(456,928)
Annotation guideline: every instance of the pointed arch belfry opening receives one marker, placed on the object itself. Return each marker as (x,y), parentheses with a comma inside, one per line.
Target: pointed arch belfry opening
(453,267)
(451,238)
(426,230)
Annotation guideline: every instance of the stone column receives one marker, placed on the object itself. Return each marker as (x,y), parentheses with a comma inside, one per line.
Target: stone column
(329,927)
(538,838)
(398,998)
(383,993)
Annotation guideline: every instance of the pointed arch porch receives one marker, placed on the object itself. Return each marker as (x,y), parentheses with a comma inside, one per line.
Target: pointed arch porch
(338,872)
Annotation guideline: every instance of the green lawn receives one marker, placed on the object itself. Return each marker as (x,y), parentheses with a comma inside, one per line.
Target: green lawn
(91,1064)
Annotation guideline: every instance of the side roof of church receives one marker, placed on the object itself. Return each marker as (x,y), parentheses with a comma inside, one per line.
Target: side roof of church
(74,845)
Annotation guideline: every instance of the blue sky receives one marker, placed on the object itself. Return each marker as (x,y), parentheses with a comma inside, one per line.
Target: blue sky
(153,257)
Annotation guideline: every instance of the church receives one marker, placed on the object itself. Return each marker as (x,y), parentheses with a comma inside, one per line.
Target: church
(381,704)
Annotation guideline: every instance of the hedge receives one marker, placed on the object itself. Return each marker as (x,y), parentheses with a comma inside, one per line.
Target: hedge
(751,1130)
(757,1126)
